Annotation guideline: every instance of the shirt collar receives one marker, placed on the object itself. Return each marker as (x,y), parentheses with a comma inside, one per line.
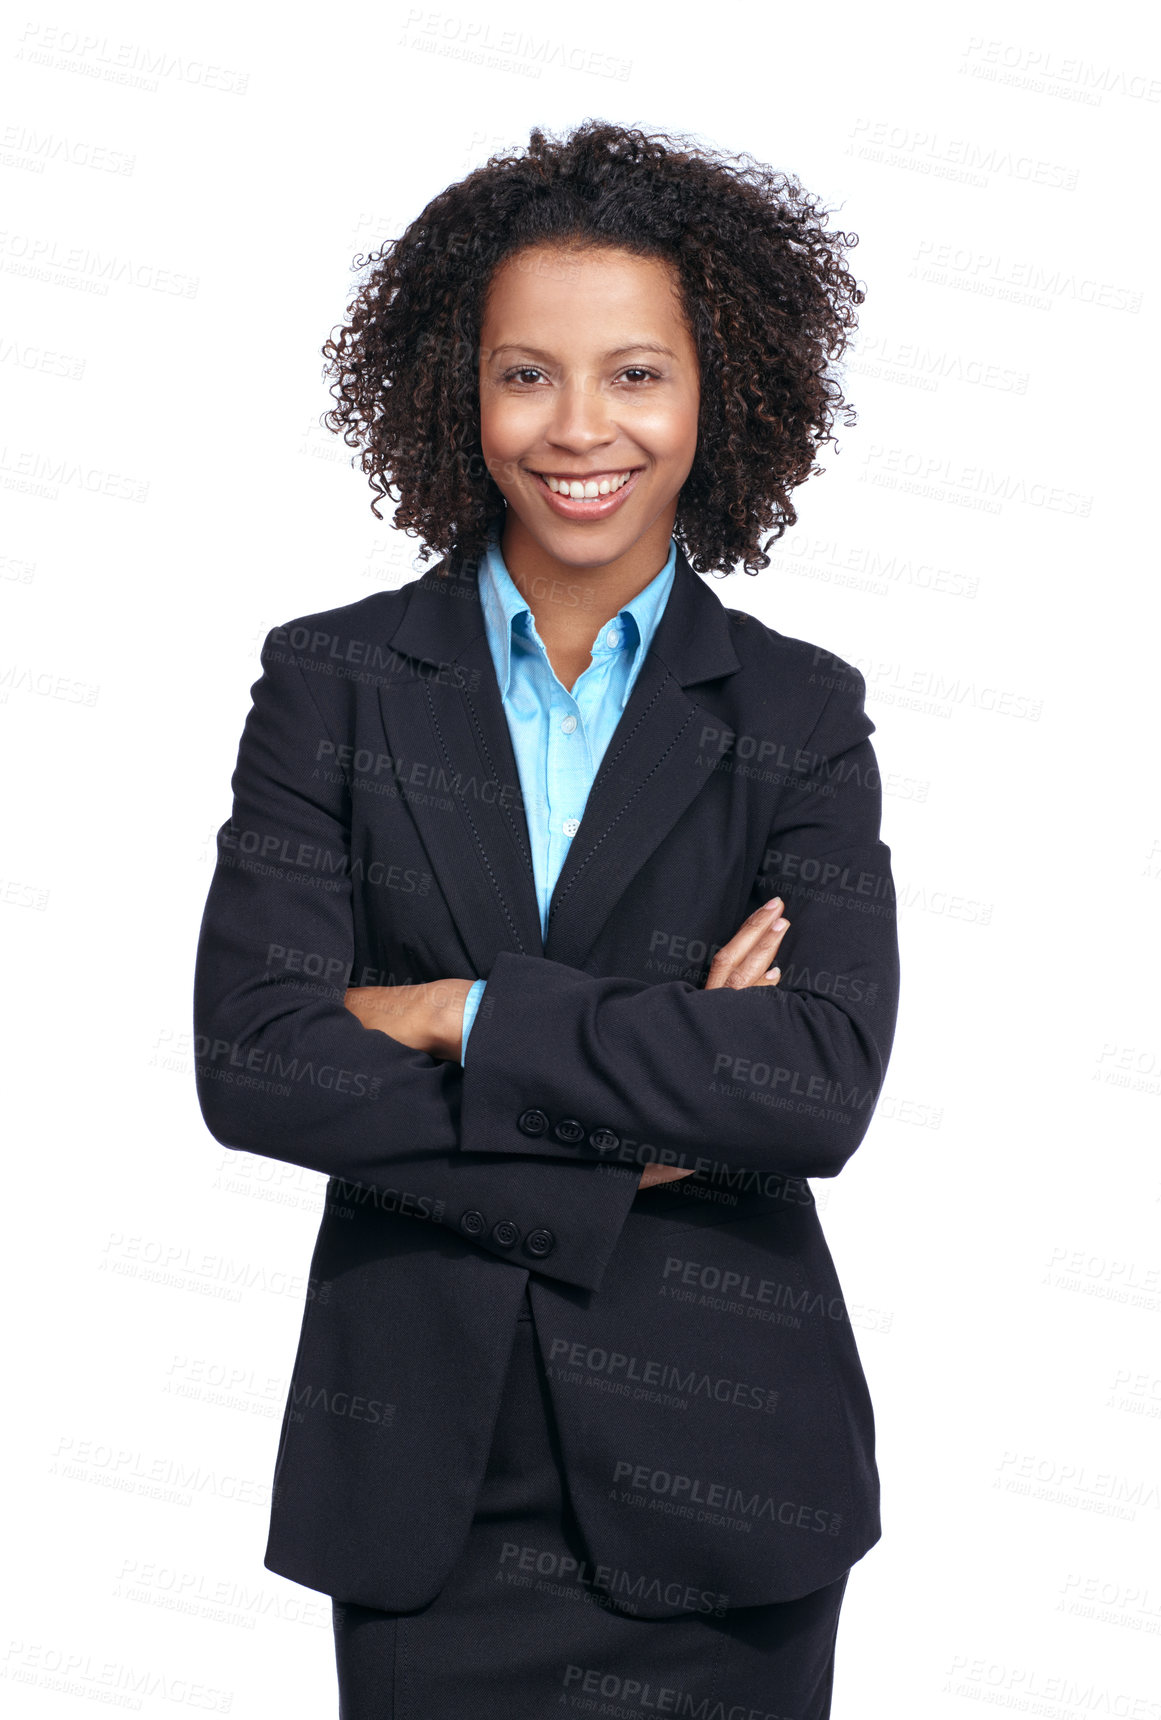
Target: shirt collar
(505,608)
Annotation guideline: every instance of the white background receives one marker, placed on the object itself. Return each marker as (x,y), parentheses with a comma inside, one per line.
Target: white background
(184,192)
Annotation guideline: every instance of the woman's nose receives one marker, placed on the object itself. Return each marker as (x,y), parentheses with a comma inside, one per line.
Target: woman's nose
(580,415)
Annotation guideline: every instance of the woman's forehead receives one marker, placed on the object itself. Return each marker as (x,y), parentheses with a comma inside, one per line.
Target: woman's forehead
(634,297)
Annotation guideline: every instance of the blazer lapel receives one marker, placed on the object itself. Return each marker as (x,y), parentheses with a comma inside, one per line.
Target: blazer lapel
(453,758)
(448,733)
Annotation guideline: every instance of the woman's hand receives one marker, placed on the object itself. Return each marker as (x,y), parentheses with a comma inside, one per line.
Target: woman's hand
(744,961)
(428,1017)
(741,963)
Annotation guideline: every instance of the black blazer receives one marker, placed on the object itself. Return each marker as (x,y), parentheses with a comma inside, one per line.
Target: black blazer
(712,1409)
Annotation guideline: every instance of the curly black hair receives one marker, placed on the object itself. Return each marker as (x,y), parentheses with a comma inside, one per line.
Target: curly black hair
(767,297)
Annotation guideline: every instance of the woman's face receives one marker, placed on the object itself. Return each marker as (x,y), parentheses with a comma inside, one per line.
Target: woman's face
(588,374)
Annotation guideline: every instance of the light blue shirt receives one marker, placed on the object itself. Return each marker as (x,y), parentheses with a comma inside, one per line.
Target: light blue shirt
(559,736)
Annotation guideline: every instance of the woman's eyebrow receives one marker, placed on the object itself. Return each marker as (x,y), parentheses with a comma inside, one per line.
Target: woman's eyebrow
(617,352)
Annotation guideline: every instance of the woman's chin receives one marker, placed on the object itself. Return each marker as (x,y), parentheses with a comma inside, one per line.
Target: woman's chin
(577,543)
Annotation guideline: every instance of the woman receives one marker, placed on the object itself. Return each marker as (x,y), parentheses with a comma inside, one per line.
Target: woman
(577,1417)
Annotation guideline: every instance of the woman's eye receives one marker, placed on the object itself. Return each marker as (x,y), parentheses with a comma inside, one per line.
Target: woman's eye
(523,372)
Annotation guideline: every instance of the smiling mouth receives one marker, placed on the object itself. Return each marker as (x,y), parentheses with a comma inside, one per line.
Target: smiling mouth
(590,487)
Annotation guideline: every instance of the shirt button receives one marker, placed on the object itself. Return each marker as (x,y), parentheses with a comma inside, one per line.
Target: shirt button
(571,826)
(612,638)
(568,725)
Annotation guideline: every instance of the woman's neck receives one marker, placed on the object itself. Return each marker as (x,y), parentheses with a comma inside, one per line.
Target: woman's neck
(569,603)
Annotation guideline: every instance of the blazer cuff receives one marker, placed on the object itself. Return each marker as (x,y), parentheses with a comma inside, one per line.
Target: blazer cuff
(530,1021)
(471,1005)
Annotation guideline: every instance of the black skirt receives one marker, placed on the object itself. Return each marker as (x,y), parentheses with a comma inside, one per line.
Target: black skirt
(521,1630)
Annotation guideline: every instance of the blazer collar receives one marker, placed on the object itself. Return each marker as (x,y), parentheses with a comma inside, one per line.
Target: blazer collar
(443,713)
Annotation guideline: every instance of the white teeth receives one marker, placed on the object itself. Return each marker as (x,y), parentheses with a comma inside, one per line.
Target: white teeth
(586,491)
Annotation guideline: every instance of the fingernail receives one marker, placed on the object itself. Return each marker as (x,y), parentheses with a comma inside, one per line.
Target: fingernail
(774,902)
(781,925)
(773,973)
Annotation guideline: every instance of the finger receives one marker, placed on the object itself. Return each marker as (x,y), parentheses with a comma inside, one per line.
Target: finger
(755,933)
(737,965)
(755,983)
(752,928)
(756,965)
(654,1174)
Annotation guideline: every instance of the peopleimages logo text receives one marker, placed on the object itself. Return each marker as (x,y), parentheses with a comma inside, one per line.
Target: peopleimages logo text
(719,1496)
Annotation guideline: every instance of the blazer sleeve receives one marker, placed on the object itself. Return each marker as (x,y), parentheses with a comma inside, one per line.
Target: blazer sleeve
(285,1070)
(780,1079)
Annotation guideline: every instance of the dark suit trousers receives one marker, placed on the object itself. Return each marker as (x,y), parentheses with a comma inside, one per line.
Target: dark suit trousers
(524,1629)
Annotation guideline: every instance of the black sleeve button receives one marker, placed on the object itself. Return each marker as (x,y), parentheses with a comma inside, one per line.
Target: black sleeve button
(569,1131)
(539,1243)
(505,1234)
(604,1141)
(473,1223)
(532,1122)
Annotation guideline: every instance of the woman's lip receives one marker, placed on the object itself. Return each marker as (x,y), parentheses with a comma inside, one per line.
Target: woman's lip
(599,508)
